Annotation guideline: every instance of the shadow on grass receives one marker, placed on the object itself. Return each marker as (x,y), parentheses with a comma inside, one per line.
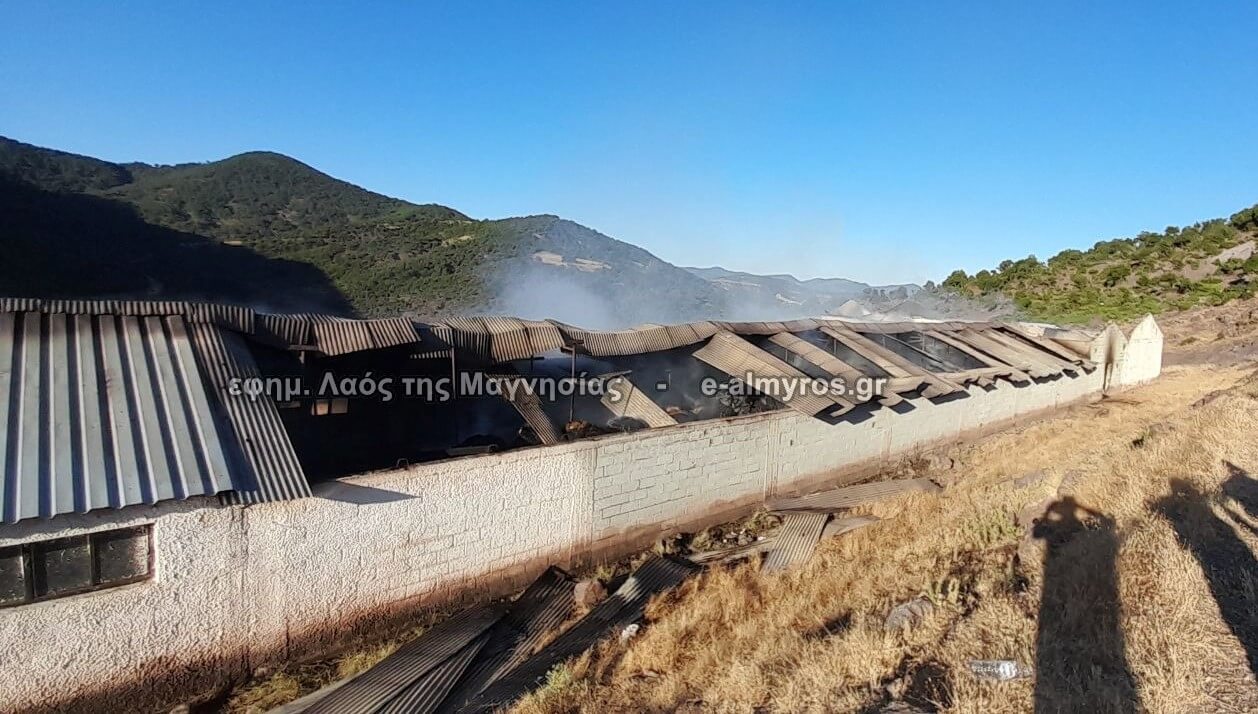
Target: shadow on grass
(1227,562)
(1080,653)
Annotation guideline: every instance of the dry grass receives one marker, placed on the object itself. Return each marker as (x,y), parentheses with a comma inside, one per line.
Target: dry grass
(1129,620)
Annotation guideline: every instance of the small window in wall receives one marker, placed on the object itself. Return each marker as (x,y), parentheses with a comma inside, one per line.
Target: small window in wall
(67,566)
(323,407)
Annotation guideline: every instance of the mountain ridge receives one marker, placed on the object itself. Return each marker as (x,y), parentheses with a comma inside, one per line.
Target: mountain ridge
(264,228)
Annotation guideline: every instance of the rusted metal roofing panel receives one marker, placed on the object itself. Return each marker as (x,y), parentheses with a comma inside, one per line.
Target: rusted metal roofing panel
(852,496)
(639,340)
(502,339)
(100,411)
(621,608)
(509,339)
(892,363)
(260,453)
(284,330)
(634,404)
(391,332)
(752,328)
(515,391)
(1009,372)
(377,686)
(796,541)
(736,357)
(545,605)
(337,336)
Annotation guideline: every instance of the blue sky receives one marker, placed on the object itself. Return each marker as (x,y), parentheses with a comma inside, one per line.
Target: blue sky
(882,141)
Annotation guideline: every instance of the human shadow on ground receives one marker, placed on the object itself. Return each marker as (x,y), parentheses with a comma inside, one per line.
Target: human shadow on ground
(1227,562)
(1080,653)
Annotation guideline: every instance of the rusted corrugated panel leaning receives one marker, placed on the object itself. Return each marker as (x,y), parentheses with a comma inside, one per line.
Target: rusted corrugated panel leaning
(100,411)
(259,450)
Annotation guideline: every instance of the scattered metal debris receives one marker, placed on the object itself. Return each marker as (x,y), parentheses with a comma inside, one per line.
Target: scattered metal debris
(852,496)
(795,544)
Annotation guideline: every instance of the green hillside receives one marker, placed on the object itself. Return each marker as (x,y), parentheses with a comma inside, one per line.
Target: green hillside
(263,228)
(1208,263)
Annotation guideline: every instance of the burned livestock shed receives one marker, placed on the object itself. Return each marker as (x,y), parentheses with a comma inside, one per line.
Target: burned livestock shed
(151,455)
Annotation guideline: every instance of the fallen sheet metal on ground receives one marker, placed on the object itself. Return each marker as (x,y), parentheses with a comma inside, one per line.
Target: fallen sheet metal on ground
(795,544)
(485,658)
(853,496)
(624,607)
(737,552)
(540,610)
(398,674)
(839,526)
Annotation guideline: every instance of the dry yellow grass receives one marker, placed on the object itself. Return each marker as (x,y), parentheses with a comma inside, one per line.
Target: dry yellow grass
(1111,593)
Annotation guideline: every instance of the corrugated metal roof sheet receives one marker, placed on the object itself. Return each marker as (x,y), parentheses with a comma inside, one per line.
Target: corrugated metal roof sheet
(502,339)
(639,340)
(425,694)
(833,365)
(376,687)
(621,608)
(1005,353)
(262,458)
(635,404)
(230,316)
(529,406)
(101,411)
(1049,345)
(545,605)
(1009,372)
(736,357)
(892,363)
(796,541)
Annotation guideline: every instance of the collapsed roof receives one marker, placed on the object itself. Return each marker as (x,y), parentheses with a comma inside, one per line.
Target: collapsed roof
(108,404)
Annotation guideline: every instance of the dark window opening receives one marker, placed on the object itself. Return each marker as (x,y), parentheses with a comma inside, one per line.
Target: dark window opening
(50,569)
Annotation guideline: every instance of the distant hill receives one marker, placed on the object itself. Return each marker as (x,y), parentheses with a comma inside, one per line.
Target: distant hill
(815,296)
(265,229)
(1208,263)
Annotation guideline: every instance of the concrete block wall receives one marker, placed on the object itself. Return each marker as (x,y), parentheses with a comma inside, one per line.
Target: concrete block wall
(240,587)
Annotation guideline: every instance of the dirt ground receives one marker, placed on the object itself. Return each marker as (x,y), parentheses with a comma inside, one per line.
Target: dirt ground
(1108,552)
